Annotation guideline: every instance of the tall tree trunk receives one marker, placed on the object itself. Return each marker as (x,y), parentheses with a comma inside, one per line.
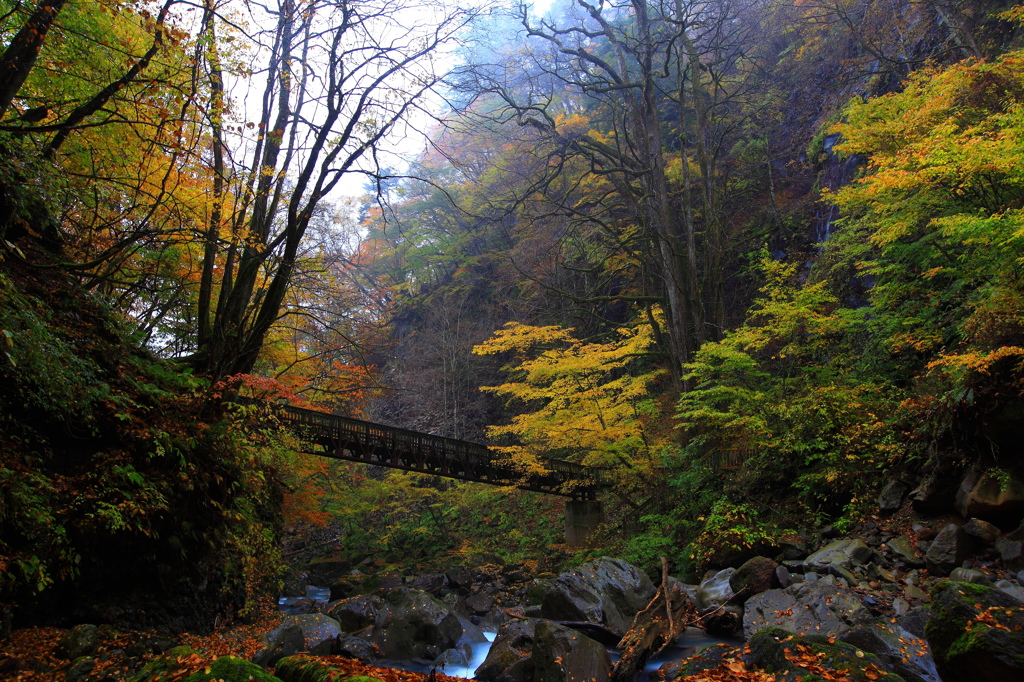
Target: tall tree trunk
(217,104)
(20,56)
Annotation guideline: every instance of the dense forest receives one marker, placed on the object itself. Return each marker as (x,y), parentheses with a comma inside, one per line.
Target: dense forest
(757,257)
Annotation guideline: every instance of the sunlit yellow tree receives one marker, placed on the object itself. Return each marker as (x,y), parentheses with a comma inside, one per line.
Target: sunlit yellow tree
(583,400)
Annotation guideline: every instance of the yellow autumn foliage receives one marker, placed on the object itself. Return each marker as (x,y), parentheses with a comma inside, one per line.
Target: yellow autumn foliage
(583,400)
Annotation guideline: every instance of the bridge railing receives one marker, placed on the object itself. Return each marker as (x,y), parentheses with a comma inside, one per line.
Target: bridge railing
(473,456)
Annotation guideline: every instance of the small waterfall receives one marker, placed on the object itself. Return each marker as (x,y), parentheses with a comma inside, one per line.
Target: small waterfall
(836,174)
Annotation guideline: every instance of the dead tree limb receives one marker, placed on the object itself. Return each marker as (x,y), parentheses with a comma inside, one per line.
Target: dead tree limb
(654,628)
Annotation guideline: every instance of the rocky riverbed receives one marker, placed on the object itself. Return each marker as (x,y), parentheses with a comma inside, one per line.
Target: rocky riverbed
(900,597)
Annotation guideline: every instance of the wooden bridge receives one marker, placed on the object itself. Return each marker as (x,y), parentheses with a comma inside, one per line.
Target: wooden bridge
(355,440)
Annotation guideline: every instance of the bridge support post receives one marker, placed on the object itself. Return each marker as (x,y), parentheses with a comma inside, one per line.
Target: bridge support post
(582,517)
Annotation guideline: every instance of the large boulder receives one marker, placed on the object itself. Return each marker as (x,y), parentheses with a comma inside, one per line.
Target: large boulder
(350,646)
(281,642)
(608,592)
(80,640)
(564,655)
(891,498)
(319,632)
(430,582)
(905,653)
(976,633)
(817,607)
(948,550)
(753,577)
(989,497)
(799,657)
(1011,552)
(413,624)
(903,550)
(982,532)
(716,590)
(936,492)
(512,647)
(843,554)
(356,613)
(542,651)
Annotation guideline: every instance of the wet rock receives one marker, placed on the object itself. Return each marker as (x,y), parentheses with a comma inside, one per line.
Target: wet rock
(1011,552)
(1006,587)
(430,582)
(808,607)
(905,653)
(970,575)
(80,640)
(358,648)
(772,650)
(286,640)
(356,613)
(413,624)
(914,620)
(506,659)
(716,590)
(982,532)
(541,651)
(451,659)
(842,553)
(608,591)
(782,576)
(564,655)
(948,550)
(319,632)
(459,576)
(753,577)
(479,603)
(915,592)
(891,498)
(990,497)
(970,649)
(847,576)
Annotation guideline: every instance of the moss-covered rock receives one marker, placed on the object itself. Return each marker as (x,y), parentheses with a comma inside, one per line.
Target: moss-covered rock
(232,669)
(976,633)
(79,641)
(813,657)
(227,668)
(161,668)
(305,669)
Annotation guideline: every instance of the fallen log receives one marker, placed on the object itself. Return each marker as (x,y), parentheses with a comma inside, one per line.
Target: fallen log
(658,625)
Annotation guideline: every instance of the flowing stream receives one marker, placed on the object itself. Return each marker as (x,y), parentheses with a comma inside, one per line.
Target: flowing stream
(688,643)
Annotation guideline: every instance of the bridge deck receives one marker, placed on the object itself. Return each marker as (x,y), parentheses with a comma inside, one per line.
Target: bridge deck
(361,441)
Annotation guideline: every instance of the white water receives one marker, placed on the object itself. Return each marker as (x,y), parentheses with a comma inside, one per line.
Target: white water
(477,656)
